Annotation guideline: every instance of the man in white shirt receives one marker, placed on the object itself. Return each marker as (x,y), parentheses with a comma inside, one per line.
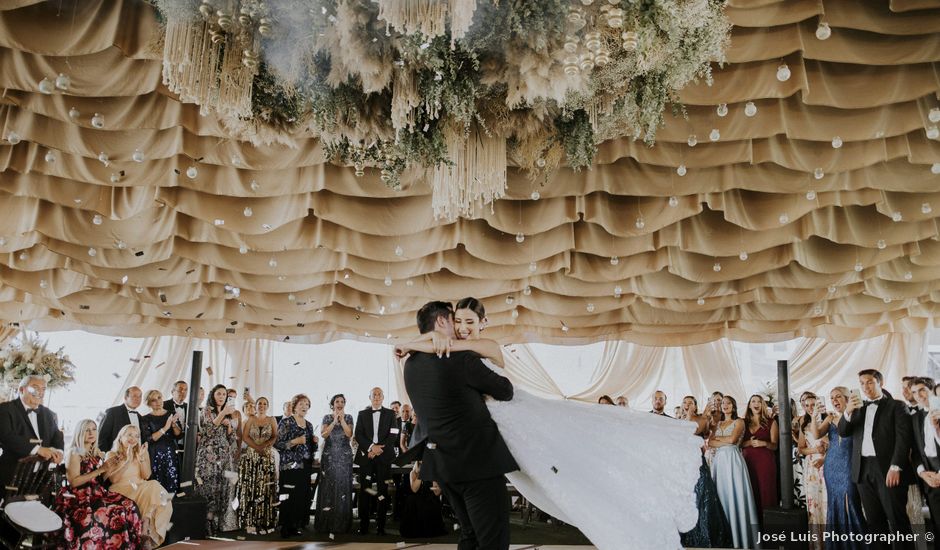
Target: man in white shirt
(28,428)
(925,456)
(881,433)
(377,436)
(119,416)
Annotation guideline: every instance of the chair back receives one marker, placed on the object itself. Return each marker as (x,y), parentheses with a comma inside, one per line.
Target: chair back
(34,479)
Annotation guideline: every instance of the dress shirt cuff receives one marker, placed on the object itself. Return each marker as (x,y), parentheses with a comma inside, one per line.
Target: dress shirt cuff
(894,468)
(848,416)
(34,451)
(921,469)
(370,447)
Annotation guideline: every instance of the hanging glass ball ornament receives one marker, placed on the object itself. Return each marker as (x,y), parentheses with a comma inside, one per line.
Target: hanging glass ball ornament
(618,291)
(13,138)
(97,121)
(92,252)
(192,172)
(881,244)
(908,275)
(722,110)
(247,212)
(933,132)
(520,237)
(818,173)
(692,141)
(896,216)
(783,72)
(388,280)
(137,156)
(614,260)
(934,115)
(97,219)
(63,82)
(750,109)
(811,195)
(784,218)
(46,86)
(823,32)
(514,313)
(527,290)
(836,142)
(74,113)
(673,201)
(103,158)
(533,267)
(243,249)
(510,300)
(716,267)
(700,301)
(399,251)
(743,256)
(859,267)
(120,245)
(535,195)
(640,223)
(935,168)
(714,135)
(589,307)
(272,263)
(926,208)
(681,170)
(50,156)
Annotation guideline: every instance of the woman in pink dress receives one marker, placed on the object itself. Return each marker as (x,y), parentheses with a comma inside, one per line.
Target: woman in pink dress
(758,446)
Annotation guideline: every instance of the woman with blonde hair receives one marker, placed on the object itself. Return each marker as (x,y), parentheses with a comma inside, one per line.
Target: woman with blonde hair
(129,476)
(160,430)
(92,515)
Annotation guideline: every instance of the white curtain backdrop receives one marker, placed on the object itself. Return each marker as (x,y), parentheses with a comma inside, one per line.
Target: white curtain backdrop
(162,360)
(819,366)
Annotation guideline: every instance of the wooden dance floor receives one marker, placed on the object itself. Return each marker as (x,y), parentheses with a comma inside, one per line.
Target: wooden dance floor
(288,545)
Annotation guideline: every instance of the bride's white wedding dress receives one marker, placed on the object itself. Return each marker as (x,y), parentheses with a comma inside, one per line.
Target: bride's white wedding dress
(625,478)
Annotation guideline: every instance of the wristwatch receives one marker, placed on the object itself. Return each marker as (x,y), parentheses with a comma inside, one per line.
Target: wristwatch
(894,468)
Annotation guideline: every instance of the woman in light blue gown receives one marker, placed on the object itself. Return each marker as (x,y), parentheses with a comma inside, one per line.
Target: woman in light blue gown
(731,477)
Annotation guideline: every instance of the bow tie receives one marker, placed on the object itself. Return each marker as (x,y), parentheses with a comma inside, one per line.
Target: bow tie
(30,411)
(875,401)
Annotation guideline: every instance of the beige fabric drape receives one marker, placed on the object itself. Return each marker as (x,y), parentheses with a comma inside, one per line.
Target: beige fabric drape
(838,242)
(819,366)
(162,360)
(7,333)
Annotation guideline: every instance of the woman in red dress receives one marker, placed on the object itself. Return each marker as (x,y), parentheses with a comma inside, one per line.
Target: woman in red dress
(758,446)
(93,517)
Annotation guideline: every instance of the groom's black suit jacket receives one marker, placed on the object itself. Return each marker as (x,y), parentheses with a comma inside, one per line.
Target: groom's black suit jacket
(17,438)
(463,442)
(891,435)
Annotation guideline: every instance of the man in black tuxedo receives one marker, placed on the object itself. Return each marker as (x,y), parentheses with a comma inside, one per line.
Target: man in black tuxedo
(659,403)
(377,437)
(464,451)
(28,428)
(925,456)
(177,403)
(119,416)
(880,429)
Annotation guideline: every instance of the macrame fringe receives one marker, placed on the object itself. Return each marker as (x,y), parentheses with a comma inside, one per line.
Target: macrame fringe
(428,17)
(405,100)
(209,74)
(477,175)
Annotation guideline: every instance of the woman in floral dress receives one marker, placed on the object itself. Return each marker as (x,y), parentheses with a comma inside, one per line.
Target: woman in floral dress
(92,516)
(216,470)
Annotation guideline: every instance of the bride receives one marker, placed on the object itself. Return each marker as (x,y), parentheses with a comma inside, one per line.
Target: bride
(622,477)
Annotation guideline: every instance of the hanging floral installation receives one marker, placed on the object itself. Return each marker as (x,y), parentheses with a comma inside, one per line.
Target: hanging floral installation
(445,90)
(28,355)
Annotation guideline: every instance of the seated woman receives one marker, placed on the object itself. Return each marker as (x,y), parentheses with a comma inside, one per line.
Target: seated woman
(421,514)
(129,477)
(92,516)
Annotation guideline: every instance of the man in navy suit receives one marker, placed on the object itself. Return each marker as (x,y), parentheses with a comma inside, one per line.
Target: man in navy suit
(119,416)
(377,436)
(28,428)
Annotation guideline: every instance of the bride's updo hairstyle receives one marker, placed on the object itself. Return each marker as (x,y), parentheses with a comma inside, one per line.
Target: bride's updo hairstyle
(473,305)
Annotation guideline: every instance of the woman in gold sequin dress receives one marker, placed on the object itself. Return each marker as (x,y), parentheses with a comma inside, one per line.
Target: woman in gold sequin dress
(257,473)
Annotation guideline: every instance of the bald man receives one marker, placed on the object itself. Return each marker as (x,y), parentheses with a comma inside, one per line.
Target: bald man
(377,435)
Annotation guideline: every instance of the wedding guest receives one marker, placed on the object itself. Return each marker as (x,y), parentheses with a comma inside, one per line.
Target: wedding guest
(795,456)
(232,396)
(177,404)
(622,401)
(907,395)
(881,435)
(659,403)
(374,456)
(119,416)
(92,516)
(813,449)
(396,408)
(27,428)
(925,456)
(407,426)
(129,477)
(758,446)
(843,508)
(731,477)
(297,445)
(422,511)
(285,408)
(605,400)
(160,430)
(216,462)
(257,472)
(334,495)
(201,398)
(712,529)
(713,409)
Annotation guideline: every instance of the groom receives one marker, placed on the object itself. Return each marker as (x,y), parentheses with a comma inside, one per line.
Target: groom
(465,453)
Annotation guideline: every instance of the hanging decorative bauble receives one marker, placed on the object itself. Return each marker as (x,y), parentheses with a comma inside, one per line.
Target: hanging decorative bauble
(46,86)
(388,280)
(836,142)
(97,121)
(934,115)
(243,249)
(743,256)
(750,109)
(716,267)
(533,267)
(640,223)
(714,135)
(673,201)
(97,219)
(527,290)
(50,156)
(74,113)
(926,208)
(272,263)
(137,155)
(811,195)
(681,170)
(520,237)
(881,244)
(896,216)
(859,267)
(722,110)
(818,173)
(535,195)
(692,141)
(13,138)
(589,307)
(823,32)
(784,218)
(783,72)
(192,172)
(618,291)
(62,82)
(614,260)
(399,251)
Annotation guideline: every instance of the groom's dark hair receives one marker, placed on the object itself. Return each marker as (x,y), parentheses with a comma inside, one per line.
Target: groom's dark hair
(430,312)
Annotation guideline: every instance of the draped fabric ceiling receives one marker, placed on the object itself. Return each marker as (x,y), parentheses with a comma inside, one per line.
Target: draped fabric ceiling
(774,232)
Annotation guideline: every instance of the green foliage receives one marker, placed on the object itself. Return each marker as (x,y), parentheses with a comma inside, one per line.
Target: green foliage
(577,136)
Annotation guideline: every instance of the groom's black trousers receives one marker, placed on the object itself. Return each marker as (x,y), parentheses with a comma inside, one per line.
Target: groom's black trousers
(482,508)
